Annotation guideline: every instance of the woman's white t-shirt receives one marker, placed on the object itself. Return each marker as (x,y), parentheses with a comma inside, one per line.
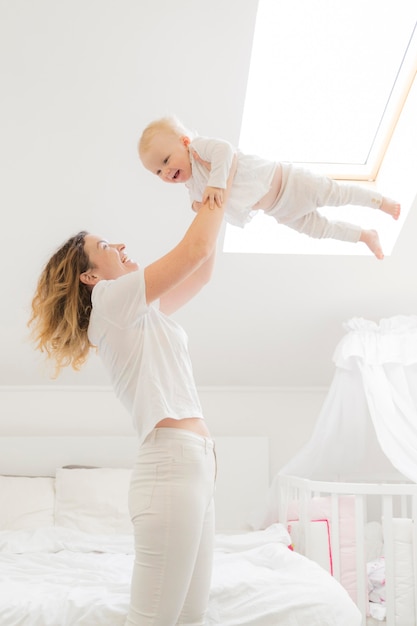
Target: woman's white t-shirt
(145,353)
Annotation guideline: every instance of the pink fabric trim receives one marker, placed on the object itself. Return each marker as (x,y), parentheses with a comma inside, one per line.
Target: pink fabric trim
(329,544)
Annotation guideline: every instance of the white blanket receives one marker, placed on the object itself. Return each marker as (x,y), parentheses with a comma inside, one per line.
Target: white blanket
(60,577)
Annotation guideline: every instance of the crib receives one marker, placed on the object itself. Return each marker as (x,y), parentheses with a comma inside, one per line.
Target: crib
(349,496)
(328,523)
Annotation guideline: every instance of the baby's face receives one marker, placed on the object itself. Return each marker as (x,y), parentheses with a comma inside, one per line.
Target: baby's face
(168,157)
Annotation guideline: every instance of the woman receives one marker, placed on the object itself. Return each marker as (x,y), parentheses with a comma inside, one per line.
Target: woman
(91,293)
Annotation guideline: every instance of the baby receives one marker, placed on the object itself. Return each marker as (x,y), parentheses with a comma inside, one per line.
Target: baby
(287,193)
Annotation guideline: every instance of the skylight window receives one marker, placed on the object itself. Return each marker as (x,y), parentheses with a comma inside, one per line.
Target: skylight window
(327,82)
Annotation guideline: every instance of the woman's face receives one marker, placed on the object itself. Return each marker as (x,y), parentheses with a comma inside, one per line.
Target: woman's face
(107,260)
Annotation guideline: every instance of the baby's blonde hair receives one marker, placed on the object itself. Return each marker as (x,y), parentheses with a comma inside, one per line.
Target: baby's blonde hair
(168,124)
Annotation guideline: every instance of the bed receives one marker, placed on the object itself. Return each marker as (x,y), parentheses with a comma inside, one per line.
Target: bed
(66,548)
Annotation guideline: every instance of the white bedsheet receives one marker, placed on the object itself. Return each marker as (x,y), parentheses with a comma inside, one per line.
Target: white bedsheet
(61,577)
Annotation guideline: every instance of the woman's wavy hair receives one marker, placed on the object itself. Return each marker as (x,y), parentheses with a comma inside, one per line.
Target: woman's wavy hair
(61,306)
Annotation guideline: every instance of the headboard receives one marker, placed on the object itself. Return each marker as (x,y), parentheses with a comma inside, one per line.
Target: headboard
(242,479)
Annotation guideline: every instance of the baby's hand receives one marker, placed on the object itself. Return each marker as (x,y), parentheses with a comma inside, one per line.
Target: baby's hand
(214,195)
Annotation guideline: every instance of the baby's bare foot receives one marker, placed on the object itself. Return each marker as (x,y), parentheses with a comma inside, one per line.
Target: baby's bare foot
(391,207)
(371,239)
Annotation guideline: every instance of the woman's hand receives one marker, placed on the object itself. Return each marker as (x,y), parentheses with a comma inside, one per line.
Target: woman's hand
(196,206)
(198,158)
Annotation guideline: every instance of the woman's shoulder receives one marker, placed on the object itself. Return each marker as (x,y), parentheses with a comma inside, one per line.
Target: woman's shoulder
(123,297)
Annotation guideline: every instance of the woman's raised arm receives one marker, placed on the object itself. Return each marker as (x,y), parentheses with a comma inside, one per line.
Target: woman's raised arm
(180,274)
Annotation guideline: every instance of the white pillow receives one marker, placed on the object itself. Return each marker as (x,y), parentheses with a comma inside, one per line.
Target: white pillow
(93,500)
(26,503)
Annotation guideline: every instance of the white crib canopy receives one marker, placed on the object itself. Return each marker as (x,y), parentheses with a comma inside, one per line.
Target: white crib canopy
(367,428)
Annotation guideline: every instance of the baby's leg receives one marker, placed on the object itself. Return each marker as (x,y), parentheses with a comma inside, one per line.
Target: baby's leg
(303,191)
(371,239)
(391,207)
(333,193)
(319,227)
(316,225)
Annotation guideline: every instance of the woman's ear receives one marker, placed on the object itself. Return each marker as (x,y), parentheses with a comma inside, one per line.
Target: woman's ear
(185,140)
(89,279)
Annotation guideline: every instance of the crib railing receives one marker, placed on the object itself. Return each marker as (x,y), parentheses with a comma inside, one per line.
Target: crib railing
(394,501)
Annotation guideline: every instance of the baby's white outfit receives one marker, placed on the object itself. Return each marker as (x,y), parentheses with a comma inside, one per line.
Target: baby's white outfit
(301,193)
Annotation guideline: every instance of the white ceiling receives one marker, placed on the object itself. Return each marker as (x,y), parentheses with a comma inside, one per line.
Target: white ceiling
(80,79)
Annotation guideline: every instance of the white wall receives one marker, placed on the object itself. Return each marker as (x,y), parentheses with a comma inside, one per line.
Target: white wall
(80,79)
(285,416)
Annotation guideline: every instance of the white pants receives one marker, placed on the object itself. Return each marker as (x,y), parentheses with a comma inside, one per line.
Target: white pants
(302,192)
(172,510)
